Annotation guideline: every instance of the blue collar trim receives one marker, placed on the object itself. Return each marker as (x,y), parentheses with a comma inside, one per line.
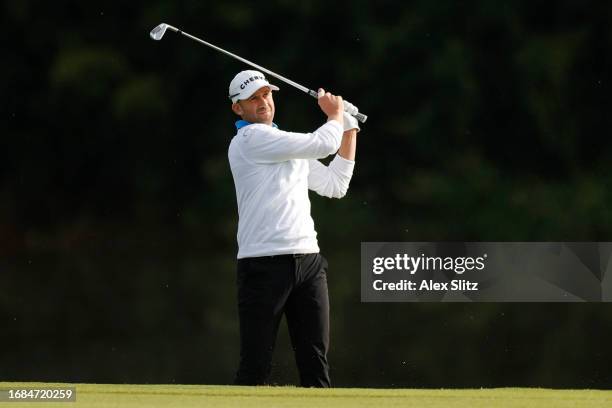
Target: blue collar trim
(242,123)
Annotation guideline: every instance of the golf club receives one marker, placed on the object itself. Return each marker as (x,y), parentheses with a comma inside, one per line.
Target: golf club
(158,32)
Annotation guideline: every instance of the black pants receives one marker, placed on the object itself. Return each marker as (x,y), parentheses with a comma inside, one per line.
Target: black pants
(295,285)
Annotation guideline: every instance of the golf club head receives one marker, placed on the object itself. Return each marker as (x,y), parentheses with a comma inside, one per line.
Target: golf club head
(158,32)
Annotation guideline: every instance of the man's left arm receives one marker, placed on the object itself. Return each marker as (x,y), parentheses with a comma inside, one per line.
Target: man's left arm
(348,145)
(333,180)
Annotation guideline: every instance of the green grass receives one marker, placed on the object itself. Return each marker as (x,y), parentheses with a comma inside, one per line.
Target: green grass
(186,396)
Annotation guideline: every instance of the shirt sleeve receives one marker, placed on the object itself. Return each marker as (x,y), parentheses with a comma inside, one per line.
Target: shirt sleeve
(331,181)
(265,144)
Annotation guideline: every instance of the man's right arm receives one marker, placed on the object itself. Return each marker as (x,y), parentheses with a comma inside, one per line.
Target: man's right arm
(264,144)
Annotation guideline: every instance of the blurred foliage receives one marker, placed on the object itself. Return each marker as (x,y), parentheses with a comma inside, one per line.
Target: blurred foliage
(488,122)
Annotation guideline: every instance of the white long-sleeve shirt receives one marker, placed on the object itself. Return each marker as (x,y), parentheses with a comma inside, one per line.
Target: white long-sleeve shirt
(273,171)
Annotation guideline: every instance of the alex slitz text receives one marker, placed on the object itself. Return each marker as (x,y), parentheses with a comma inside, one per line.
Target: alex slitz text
(461,285)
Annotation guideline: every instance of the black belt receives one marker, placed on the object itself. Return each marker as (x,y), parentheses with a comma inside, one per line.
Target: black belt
(286,256)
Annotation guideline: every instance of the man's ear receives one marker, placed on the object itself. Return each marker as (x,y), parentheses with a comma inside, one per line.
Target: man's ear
(237,109)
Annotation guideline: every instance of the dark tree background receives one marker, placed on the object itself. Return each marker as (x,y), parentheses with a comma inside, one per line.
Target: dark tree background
(489,121)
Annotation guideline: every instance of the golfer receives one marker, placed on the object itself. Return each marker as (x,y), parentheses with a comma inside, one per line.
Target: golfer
(280,270)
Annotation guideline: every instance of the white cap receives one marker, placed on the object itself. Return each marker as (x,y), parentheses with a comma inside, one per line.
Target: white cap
(246,83)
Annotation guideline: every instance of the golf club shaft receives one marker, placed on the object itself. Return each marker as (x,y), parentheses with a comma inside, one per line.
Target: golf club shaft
(350,108)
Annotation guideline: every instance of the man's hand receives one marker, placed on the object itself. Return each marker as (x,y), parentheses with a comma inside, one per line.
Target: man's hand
(331,105)
(350,122)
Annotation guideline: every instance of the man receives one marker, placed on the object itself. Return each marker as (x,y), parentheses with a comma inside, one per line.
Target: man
(279,268)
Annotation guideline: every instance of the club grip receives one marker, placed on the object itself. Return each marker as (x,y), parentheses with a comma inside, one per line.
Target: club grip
(353,111)
(348,107)
(361,117)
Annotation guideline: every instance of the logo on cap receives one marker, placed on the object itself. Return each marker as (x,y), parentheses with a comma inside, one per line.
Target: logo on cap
(251,79)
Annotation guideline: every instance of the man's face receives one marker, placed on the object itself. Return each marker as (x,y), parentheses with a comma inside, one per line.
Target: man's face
(258,108)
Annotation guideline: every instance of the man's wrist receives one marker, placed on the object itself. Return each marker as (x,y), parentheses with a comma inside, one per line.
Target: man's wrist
(337,117)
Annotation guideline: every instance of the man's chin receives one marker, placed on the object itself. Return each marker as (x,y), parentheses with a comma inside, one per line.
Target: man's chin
(264,118)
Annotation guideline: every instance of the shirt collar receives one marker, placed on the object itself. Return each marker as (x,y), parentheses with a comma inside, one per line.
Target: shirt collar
(242,123)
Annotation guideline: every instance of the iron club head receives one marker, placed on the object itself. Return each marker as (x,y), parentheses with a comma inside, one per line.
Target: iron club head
(158,32)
